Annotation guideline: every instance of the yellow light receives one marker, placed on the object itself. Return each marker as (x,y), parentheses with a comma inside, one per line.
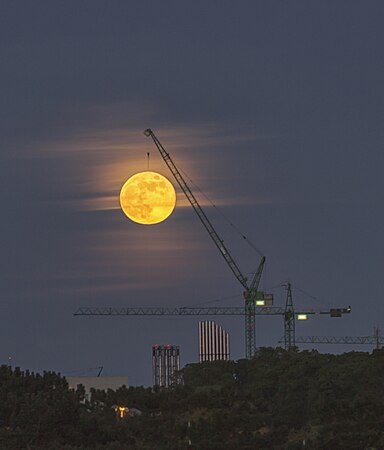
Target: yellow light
(302,317)
(260,302)
(147,198)
(121,411)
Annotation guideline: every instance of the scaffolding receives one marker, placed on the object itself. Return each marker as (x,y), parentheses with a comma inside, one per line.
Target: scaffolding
(165,365)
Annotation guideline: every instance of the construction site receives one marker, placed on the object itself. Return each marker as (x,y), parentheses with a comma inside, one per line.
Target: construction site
(257,303)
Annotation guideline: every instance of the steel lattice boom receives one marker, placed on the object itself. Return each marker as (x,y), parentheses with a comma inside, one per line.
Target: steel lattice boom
(250,289)
(210,311)
(204,311)
(199,211)
(359,340)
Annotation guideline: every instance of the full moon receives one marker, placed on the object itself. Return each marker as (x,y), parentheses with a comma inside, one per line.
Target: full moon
(147,198)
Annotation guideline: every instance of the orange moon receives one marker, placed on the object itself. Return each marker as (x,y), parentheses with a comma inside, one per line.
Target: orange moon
(147,198)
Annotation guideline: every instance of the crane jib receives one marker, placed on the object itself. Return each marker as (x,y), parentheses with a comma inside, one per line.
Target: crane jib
(200,213)
(250,334)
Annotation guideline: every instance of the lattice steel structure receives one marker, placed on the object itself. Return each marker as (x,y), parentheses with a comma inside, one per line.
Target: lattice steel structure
(377,340)
(202,311)
(165,365)
(289,321)
(213,311)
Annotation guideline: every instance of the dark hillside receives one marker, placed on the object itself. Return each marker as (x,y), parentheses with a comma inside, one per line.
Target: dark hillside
(278,400)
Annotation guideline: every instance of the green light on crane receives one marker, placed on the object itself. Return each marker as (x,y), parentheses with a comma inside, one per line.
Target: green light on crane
(302,317)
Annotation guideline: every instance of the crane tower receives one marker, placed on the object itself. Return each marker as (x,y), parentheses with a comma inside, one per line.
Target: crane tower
(255,302)
(251,293)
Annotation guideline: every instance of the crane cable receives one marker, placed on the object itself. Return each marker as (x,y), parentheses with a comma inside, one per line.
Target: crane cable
(217,300)
(311,296)
(248,241)
(296,288)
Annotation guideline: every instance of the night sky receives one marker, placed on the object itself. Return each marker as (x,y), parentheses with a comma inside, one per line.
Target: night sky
(273,109)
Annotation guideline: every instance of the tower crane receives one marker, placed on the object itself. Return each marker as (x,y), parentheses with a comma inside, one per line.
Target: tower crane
(251,290)
(290,316)
(254,299)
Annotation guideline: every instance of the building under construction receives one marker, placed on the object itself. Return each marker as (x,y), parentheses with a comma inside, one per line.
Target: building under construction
(165,365)
(213,342)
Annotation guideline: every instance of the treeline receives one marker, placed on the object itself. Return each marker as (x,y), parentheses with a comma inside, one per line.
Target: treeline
(278,400)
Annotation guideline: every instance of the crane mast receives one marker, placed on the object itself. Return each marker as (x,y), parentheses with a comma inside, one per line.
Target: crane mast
(289,321)
(250,293)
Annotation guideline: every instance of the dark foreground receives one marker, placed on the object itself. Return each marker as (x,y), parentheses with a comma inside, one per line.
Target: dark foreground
(278,400)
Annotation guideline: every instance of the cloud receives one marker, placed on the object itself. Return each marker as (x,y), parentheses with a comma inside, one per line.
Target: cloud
(111,146)
(67,189)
